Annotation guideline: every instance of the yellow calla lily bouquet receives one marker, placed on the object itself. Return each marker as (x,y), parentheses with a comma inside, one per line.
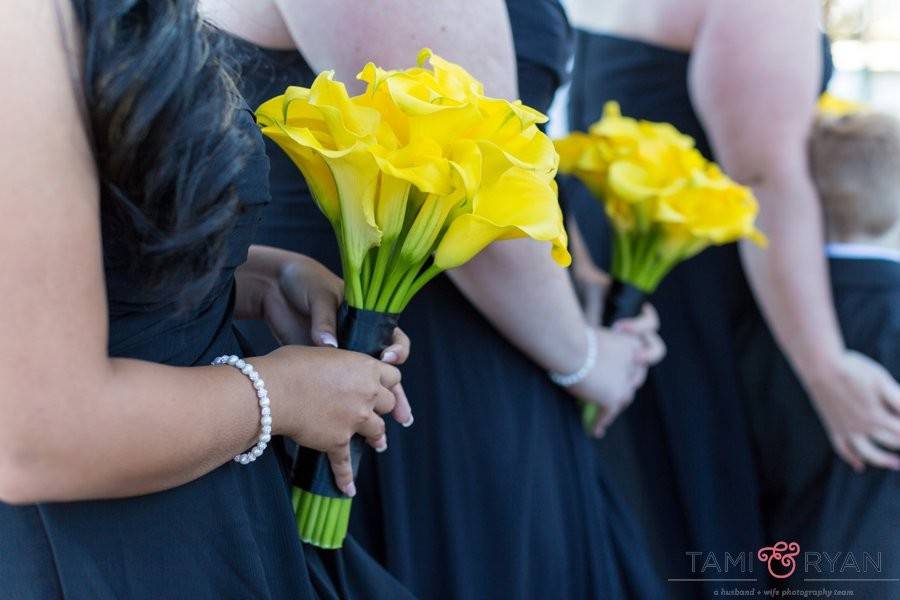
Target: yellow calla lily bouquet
(664,200)
(830,105)
(416,175)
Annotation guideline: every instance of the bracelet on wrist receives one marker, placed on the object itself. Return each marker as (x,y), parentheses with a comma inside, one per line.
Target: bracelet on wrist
(265,410)
(570,379)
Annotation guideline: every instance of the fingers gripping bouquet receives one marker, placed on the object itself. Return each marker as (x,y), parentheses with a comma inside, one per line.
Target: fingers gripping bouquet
(664,200)
(416,175)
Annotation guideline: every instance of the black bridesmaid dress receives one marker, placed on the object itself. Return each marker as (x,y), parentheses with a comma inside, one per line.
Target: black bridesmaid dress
(227,535)
(690,444)
(493,492)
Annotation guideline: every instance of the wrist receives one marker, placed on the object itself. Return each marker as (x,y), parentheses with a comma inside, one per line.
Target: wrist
(264,435)
(573,377)
(267,367)
(819,366)
(566,353)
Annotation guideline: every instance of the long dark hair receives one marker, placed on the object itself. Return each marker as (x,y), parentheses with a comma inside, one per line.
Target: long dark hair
(160,107)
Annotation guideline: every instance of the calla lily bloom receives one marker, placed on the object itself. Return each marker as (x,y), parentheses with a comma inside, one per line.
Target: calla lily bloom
(405,169)
(666,202)
(835,106)
(534,213)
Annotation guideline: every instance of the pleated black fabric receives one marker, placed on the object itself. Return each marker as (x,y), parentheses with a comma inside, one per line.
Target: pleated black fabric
(689,442)
(494,491)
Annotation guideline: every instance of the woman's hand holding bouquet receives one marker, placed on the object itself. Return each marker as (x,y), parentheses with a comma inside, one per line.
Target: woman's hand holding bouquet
(664,200)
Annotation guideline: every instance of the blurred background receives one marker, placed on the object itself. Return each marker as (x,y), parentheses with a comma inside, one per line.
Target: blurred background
(865,38)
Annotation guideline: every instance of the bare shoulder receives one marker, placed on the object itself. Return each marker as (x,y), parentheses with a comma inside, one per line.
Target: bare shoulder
(668,23)
(40,61)
(259,22)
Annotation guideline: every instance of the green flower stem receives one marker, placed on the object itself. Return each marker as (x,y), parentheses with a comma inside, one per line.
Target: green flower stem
(366,273)
(423,278)
(352,284)
(395,276)
(398,298)
(353,287)
(382,260)
(650,272)
(638,259)
(589,414)
(621,255)
(647,247)
(660,269)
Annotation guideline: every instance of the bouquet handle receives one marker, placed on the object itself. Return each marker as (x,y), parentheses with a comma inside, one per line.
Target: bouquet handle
(321,508)
(623,301)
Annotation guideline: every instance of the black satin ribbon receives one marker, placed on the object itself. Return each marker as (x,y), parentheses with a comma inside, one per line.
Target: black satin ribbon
(365,331)
(623,301)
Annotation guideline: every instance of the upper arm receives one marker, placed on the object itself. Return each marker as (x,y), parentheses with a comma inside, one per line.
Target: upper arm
(346,34)
(53,317)
(754,75)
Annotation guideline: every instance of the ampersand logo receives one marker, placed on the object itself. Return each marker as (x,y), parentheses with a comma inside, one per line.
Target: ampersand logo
(783,554)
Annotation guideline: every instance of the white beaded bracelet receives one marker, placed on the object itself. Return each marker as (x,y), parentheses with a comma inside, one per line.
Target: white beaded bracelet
(265,411)
(567,380)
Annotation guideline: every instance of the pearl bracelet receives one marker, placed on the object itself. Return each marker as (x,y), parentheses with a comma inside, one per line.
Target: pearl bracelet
(265,412)
(567,380)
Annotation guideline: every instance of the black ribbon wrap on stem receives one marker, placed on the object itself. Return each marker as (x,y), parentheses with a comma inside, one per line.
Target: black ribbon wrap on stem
(365,331)
(623,301)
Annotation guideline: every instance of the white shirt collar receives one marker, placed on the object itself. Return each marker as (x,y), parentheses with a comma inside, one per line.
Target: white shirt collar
(861,251)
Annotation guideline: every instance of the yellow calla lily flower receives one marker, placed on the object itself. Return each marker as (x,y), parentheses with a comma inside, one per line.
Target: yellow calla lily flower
(454,80)
(713,211)
(327,136)
(835,106)
(397,167)
(519,204)
(636,182)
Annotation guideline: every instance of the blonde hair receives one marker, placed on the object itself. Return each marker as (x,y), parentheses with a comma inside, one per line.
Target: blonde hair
(855,165)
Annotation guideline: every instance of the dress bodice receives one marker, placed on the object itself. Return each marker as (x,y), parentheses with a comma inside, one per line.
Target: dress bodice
(156,324)
(542,36)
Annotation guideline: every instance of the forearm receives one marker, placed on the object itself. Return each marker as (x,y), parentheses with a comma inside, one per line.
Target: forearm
(529,299)
(128,428)
(790,278)
(757,109)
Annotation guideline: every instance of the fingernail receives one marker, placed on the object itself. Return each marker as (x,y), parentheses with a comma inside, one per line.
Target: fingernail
(350,489)
(327,339)
(409,422)
(389,356)
(381,445)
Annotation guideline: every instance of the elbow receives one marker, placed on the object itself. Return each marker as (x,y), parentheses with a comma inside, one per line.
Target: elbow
(22,481)
(16,486)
